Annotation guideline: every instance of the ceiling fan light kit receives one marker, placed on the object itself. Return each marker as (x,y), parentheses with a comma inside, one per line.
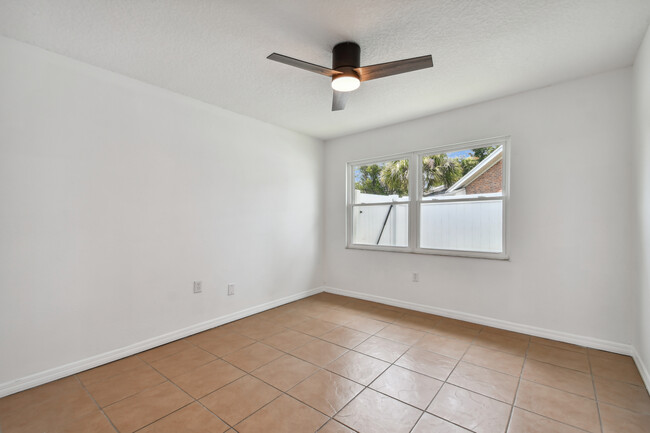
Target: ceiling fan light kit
(346,72)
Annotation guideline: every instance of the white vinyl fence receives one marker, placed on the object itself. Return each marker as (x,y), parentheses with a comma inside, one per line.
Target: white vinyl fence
(465,226)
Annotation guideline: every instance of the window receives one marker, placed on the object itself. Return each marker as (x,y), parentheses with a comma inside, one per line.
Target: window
(448,200)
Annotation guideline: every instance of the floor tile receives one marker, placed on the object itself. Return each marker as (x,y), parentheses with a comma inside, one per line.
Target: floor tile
(408,386)
(495,360)
(252,357)
(319,352)
(609,355)
(559,377)
(559,405)
(182,362)
(123,385)
(369,326)
(207,378)
(225,344)
(137,411)
(385,315)
(289,319)
(95,422)
(190,419)
(470,410)
(444,346)
(315,327)
(505,333)
(560,357)
(617,420)
(326,392)
(445,321)
(401,334)
(372,412)
(502,343)
(334,427)
(428,363)
(358,367)
(491,383)
(285,372)
(25,399)
(283,415)
(416,322)
(164,351)
(104,372)
(558,344)
(288,340)
(49,414)
(236,401)
(432,424)
(261,329)
(620,368)
(457,332)
(206,337)
(338,317)
(527,422)
(624,395)
(345,337)
(382,348)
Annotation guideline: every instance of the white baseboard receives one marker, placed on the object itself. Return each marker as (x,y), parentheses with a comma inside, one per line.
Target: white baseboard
(42,377)
(643,369)
(566,337)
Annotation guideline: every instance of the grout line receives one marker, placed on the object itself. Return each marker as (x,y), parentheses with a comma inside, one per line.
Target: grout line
(95,401)
(593,383)
(514,400)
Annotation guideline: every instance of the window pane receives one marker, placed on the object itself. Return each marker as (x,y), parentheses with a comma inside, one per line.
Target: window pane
(380,225)
(463,172)
(381,182)
(466,226)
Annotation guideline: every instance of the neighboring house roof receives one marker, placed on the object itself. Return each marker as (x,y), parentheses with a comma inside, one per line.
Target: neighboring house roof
(477,171)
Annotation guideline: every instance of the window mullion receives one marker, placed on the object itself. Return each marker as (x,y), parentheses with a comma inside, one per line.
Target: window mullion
(414,176)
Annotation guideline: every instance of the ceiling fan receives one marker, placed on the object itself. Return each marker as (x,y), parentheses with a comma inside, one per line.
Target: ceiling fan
(346,72)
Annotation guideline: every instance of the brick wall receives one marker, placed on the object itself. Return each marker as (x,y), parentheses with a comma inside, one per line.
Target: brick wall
(490,181)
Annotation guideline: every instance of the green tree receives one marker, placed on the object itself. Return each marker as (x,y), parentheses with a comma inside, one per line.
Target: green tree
(370,180)
(468,163)
(395,177)
(440,170)
(482,152)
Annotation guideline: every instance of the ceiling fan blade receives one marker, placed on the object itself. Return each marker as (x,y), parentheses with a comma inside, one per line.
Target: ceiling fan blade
(339,100)
(303,65)
(393,68)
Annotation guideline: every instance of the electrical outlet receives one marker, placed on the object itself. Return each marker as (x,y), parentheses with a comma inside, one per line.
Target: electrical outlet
(231,289)
(198,287)
(416,277)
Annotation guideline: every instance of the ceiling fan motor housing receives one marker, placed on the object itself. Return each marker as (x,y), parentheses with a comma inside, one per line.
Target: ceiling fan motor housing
(346,56)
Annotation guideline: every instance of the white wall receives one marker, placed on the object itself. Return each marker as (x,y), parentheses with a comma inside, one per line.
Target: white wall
(642,92)
(571,212)
(115,195)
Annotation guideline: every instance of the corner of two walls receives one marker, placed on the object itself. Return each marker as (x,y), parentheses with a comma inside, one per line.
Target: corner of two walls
(642,184)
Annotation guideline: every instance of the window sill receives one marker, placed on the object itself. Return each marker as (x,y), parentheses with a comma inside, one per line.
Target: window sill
(421,251)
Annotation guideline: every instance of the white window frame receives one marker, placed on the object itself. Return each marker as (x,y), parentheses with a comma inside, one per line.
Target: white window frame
(416,199)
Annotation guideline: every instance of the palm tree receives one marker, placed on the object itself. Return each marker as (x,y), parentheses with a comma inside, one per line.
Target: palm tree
(395,176)
(440,170)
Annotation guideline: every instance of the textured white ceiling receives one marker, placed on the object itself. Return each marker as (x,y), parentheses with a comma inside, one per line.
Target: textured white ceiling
(215,50)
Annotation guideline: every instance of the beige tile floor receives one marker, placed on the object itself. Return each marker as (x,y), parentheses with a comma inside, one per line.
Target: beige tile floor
(333,364)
